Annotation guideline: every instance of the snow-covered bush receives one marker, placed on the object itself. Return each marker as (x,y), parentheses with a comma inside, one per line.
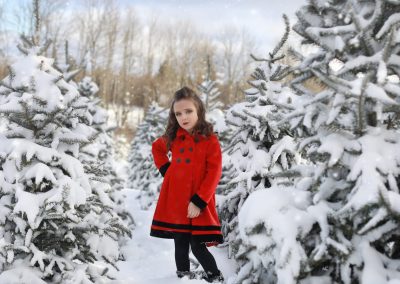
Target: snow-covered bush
(98,156)
(270,223)
(261,147)
(350,148)
(54,219)
(143,174)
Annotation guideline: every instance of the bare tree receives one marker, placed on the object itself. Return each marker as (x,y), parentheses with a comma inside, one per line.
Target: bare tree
(50,18)
(237,45)
(130,37)
(3,19)
(91,23)
(111,82)
(188,37)
(3,38)
(111,33)
(183,44)
(152,36)
(205,56)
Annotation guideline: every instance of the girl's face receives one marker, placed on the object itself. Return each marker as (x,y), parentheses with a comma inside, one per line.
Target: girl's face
(186,114)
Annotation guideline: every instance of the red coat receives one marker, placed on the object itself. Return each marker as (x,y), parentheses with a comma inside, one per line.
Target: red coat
(192,175)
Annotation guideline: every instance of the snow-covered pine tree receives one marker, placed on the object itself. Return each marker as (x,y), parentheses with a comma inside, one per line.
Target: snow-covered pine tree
(65,67)
(228,173)
(209,92)
(342,226)
(356,149)
(55,221)
(210,95)
(98,157)
(88,88)
(261,147)
(143,175)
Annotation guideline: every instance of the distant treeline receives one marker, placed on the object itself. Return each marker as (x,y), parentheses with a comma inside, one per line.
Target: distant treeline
(133,61)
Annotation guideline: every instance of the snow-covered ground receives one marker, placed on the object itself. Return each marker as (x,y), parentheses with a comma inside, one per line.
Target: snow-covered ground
(151,260)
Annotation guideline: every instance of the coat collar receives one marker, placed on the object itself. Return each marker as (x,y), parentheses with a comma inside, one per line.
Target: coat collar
(183,134)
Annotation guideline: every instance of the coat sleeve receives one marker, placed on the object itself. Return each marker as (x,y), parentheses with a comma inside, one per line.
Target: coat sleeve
(212,177)
(160,155)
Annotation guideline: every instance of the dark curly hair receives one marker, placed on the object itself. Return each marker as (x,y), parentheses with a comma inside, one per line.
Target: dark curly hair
(202,126)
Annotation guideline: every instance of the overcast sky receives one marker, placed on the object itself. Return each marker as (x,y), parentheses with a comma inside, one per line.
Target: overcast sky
(262,18)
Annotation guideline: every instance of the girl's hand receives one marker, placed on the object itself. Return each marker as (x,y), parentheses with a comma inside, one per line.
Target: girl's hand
(193,211)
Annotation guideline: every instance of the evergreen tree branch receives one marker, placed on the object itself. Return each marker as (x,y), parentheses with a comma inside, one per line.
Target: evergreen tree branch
(36,15)
(364,38)
(284,37)
(361,105)
(338,84)
(375,18)
(44,47)
(387,50)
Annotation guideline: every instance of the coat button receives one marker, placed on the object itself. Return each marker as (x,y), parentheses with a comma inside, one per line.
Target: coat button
(190,149)
(178,160)
(187,161)
(182,137)
(196,139)
(181,150)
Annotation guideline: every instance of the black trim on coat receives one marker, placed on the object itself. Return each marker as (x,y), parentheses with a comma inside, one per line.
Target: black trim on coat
(200,238)
(163,169)
(164,234)
(209,238)
(198,201)
(186,226)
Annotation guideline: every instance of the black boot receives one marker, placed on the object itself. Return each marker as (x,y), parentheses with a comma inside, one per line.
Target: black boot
(213,277)
(182,274)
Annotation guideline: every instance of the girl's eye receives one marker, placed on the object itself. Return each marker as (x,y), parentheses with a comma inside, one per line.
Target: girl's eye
(189,111)
(177,114)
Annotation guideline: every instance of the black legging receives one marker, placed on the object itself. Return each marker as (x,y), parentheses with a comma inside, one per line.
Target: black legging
(200,251)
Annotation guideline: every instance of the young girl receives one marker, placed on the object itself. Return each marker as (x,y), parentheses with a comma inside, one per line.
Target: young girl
(186,209)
